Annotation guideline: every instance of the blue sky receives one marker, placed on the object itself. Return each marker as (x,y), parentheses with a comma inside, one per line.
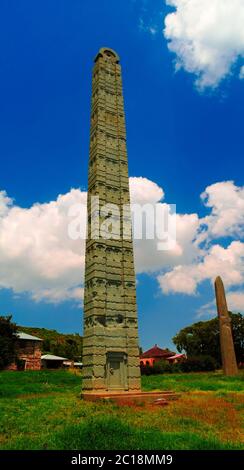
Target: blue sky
(183,137)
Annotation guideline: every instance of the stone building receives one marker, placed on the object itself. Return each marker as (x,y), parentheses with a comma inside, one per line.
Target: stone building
(50,361)
(110,345)
(28,350)
(155,354)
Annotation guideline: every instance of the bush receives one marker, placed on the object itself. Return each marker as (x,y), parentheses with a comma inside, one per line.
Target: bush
(7,341)
(146,370)
(198,364)
(162,366)
(176,367)
(192,364)
(159,367)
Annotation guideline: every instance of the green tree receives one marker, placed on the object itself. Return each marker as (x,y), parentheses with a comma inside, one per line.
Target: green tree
(237,321)
(7,341)
(60,344)
(202,338)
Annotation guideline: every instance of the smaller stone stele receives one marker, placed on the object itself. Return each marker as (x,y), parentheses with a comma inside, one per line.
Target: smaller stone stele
(226,339)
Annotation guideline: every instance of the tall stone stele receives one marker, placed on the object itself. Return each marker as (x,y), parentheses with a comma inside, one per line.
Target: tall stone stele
(110,346)
(226,340)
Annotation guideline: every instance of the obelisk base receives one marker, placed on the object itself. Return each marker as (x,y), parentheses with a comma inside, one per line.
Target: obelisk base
(132,398)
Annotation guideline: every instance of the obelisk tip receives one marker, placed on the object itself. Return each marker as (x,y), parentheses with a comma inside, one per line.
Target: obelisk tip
(218,280)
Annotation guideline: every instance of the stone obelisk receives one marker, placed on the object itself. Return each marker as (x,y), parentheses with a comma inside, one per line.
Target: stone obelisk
(226,340)
(110,346)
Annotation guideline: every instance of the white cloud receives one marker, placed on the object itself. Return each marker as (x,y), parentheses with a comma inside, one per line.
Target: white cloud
(143,190)
(38,257)
(226,219)
(207,37)
(241,75)
(5,203)
(57,295)
(235,301)
(153,30)
(148,259)
(226,202)
(207,309)
(226,262)
(148,26)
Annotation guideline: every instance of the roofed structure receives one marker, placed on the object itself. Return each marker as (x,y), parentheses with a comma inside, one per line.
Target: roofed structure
(28,351)
(27,337)
(52,357)
(50,361)
(157,353)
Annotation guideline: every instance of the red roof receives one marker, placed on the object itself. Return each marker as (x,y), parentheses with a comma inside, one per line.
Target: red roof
(176,356)
(157,352)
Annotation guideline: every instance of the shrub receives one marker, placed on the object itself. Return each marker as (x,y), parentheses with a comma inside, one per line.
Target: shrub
(198,364)
(7,341)
(159,367)
(162,366)
(176,367)
(146,370)
(192,364)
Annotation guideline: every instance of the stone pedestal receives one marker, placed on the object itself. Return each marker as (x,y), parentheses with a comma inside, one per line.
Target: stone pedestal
(133,398)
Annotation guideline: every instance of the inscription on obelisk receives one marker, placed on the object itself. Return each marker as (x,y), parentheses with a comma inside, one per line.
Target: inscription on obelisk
(226,340)
(110,346)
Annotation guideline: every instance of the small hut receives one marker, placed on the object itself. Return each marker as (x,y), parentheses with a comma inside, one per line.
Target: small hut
(49,361)
(155,354)
(28,350)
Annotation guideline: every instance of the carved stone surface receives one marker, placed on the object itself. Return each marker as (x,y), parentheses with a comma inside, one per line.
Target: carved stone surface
(226,340)
(110,346)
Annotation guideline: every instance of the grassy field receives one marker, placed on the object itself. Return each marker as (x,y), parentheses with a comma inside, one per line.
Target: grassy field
(43,410)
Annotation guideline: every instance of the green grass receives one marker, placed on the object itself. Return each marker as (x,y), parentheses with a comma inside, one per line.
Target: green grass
(216,382)
(13,384)
(43,410)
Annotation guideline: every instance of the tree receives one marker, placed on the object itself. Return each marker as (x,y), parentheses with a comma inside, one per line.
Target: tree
(202,338)
(7,341)
(60,344)
(237,322)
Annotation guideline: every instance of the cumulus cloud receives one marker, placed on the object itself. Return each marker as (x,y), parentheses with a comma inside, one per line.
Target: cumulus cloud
(226,262)
(226,219)
(5,203)
(235,301)
(207,309)
(207,37)
(241,75)
(143,191)
(226,202)
(59,294)
(149,259)
(37,255)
